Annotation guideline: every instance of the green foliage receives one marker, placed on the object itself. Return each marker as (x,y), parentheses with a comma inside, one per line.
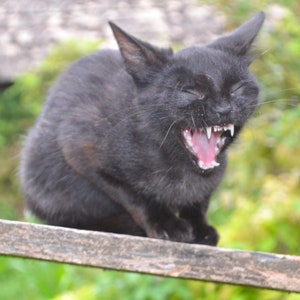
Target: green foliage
(256,208)
(21,103)
(128,286)
(11,203)
(27,279)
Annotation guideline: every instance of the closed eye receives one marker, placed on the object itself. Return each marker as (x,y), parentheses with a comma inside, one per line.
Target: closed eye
(237,88)
(197,94)
(234,90)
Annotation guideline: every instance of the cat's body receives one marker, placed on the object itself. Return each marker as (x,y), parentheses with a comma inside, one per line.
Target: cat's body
(134,142)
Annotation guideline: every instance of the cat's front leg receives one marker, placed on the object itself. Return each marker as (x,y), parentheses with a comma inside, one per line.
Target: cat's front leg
(203,232)
(154,218)
(159,222)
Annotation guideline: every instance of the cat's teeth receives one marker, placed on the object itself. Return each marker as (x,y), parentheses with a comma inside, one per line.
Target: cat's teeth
(217,128)
(188,138)
(231,128)
(206,166)
(208,132)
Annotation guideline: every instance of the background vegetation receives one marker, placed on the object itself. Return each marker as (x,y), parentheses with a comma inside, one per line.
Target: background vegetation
(256,208)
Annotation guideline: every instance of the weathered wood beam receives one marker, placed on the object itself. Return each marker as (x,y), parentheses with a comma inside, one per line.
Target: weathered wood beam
(129,253)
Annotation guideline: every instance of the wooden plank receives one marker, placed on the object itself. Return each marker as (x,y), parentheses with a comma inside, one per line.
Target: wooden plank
(129,253)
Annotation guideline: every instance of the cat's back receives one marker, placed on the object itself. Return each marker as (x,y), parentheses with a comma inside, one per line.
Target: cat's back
(99,78)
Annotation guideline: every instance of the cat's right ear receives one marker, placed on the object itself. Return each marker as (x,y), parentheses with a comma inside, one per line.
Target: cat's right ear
(142,60)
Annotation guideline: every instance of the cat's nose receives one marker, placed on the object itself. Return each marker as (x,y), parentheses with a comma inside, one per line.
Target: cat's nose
(223,109)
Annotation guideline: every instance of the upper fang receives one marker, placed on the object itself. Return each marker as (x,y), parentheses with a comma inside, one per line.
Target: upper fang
(231,128)
(208,132)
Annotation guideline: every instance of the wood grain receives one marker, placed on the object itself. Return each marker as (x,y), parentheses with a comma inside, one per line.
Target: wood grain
(129,253)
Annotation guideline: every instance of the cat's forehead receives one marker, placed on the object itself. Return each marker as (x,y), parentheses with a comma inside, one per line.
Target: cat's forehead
(215,64)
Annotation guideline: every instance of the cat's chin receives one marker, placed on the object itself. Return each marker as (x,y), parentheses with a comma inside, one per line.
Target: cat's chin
(205,144)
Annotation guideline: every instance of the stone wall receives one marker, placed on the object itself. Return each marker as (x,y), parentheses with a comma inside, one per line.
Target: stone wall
(28,28)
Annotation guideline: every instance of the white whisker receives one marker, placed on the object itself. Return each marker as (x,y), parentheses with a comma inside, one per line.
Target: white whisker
(193,122)
(168,131)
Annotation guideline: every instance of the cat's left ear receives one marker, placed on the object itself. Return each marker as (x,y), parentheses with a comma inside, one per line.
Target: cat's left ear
(240,40)
(142,60)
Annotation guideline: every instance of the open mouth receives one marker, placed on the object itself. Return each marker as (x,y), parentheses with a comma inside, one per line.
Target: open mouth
(206,143)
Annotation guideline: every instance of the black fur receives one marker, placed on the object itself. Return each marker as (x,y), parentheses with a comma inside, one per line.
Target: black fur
(108,153)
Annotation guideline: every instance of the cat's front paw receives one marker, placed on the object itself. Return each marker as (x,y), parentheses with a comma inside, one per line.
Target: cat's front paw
(174,229)
(207,235)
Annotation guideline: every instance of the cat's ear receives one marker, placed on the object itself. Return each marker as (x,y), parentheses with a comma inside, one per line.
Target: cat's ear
(141,59)
(240,40)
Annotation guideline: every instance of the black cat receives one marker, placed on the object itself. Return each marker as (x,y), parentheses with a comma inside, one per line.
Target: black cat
(135,141)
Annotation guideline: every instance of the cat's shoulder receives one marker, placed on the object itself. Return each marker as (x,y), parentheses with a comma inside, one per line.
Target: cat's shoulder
(90,74)
(107,60)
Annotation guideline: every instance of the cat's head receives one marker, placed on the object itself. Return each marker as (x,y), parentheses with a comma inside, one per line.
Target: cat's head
(206,93)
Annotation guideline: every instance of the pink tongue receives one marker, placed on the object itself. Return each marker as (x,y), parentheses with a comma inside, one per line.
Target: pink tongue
(205,148)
